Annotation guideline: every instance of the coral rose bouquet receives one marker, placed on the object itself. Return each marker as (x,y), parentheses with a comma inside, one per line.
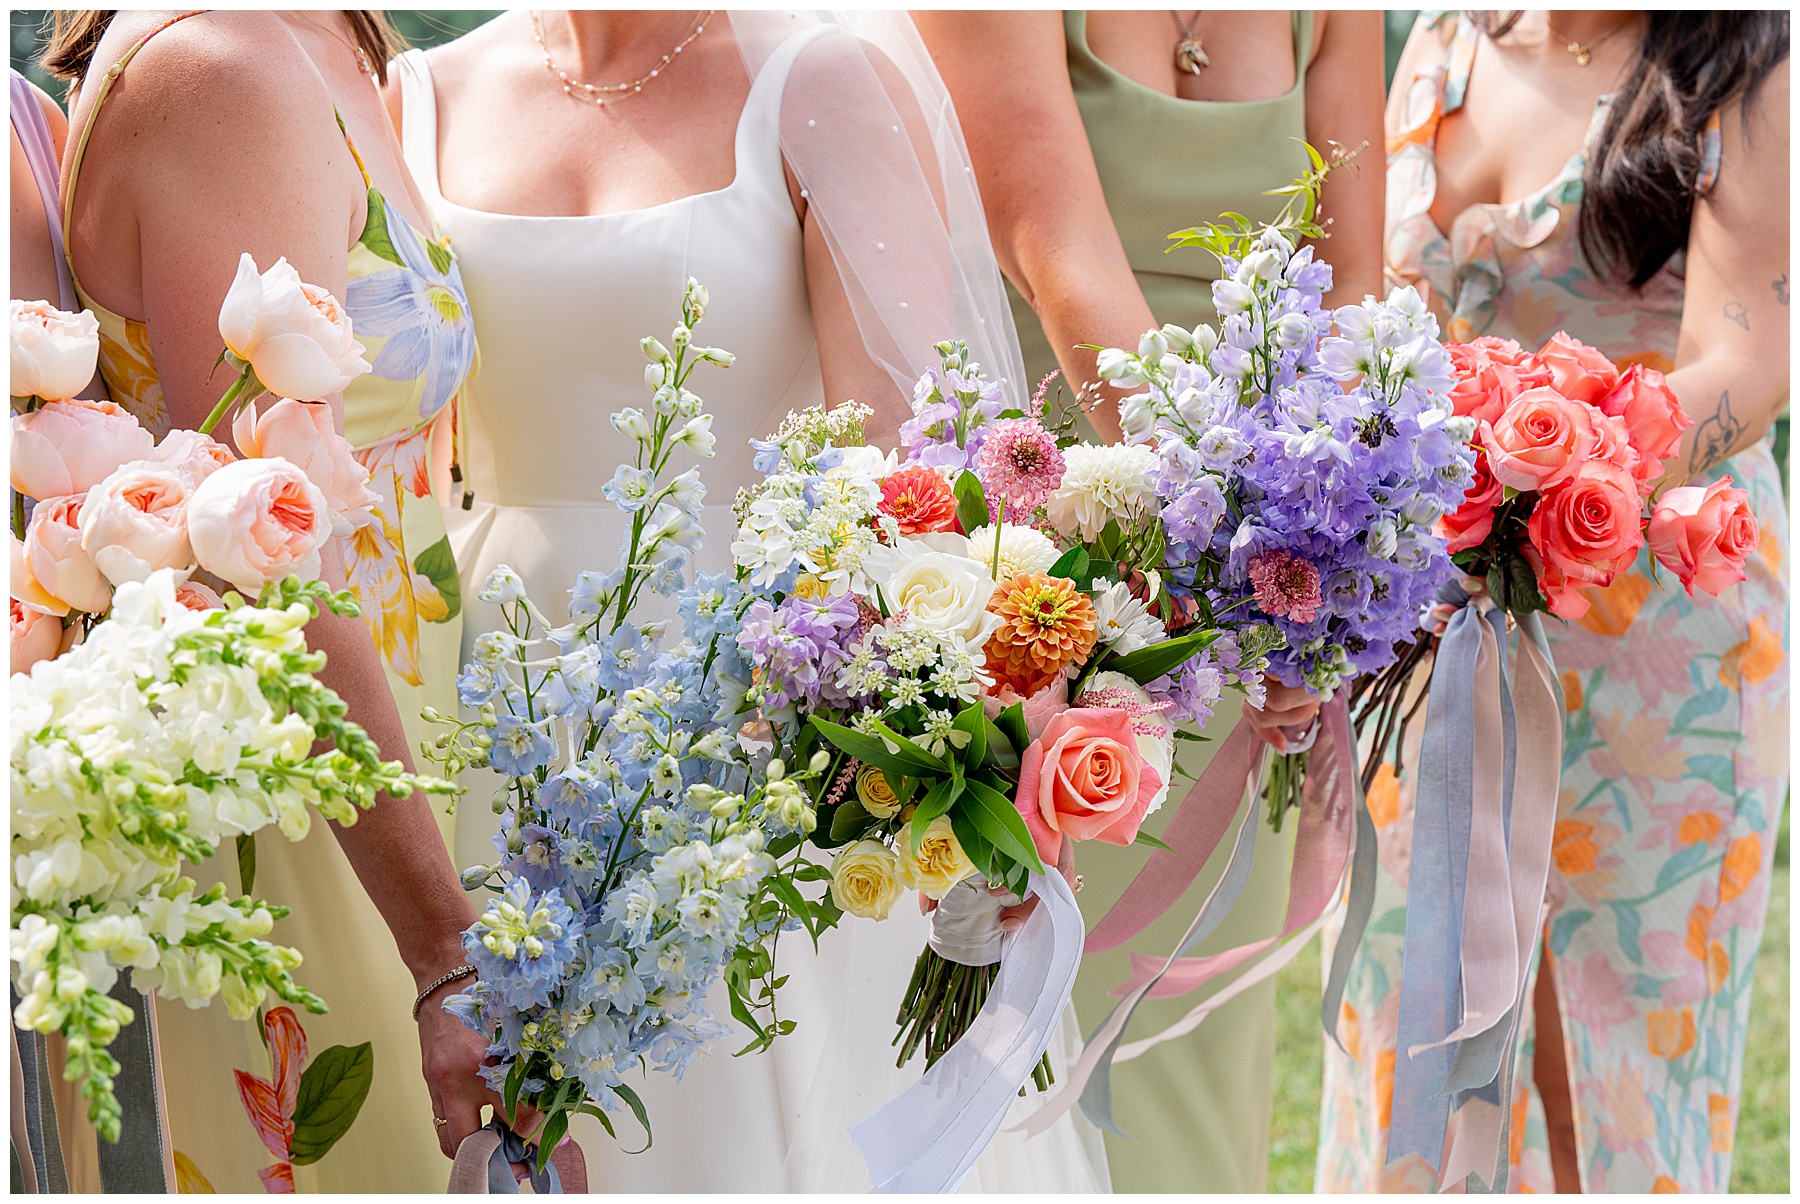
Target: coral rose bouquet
(152,717)
(641,856)
(976,639)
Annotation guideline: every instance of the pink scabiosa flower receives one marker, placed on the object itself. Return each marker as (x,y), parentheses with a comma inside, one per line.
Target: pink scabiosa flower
(1286,586)
(1020,464)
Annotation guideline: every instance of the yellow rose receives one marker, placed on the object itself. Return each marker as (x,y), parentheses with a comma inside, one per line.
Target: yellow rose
(939,862)
(874,793)
(865,879)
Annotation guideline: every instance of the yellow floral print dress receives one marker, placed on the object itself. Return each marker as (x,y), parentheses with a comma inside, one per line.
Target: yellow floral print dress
(336,1102)
(1675,760)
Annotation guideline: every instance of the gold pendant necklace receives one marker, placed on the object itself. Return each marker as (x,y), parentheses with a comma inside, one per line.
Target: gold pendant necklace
(362,56)
(1190,55)
(1583,54)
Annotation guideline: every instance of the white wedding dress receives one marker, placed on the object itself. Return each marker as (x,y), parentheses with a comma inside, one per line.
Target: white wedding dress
(560,304)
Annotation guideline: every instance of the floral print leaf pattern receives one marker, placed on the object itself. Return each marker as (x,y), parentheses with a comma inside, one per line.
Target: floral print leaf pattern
(332,1092)
(375,232)
(438,565)
(269,1103)
(129,370)
(188,1179)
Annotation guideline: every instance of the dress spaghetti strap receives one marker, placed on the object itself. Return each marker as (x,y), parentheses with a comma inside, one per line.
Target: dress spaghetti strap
(40,154)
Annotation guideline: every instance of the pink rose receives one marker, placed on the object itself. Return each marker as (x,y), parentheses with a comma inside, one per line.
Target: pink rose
(257,521)
(1653,415)
(1039,709)
(1540,440)
(1084,779)
(294,334)
(1612,445)
(70,446)
(195,596)
(1490,372)
(1583,532)
(135,522)
(36,636)
(1703,535)
(1577,371)
(302,433)
(1469,524)
(53,353)
(56,561)
(197,456)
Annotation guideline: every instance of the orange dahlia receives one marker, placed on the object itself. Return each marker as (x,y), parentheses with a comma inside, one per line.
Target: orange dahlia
(919,499)
(1048,626)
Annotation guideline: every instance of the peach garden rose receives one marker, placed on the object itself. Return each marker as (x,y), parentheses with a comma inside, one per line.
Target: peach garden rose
(36,636)
(135,522)
(295,335)
(257,521)
(70,446)
(55,560)
(302,433)
(53,352)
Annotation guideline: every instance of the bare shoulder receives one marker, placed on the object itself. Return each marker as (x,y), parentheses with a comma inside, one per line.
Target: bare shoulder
(489,45)
(53,117)
(198,84)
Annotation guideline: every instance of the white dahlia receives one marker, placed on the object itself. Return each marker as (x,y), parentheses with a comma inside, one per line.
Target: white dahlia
(1022,550)
(1101,483)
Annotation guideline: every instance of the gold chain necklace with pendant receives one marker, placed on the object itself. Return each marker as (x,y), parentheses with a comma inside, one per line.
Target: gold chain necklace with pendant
(596,94)
(1584,54)
(1190,55)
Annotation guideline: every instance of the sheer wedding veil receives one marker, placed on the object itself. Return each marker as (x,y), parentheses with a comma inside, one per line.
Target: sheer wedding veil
(868,129)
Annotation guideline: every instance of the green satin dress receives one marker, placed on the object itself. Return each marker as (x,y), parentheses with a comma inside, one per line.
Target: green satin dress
(1196,1108)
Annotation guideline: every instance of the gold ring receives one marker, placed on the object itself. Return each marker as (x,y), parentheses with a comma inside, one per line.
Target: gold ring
(440,1121)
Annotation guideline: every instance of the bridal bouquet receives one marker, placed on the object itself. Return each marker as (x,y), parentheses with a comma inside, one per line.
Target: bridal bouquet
(639,859)
(1300,472)
(151,719)
(979,642)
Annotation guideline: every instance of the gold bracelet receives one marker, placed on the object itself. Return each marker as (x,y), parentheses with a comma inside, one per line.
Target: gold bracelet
(462,971)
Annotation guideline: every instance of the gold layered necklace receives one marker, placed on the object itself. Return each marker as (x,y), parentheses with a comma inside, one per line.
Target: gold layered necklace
(598,94)
(1190,55)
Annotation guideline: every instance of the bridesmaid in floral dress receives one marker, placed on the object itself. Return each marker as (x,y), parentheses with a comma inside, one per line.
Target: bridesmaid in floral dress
(1668,250)
(210,135)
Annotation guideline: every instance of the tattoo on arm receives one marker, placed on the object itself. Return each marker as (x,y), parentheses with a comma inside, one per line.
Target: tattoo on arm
(1735,312)
(1715,437)
(1780,285)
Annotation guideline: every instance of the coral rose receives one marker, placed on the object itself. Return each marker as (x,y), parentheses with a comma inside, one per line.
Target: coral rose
(53,353)
(36,636)
(1084,779)
(56,562)
(257,521)
(294,334)
(197,456)
(135,522)
(1577,371)
(1469,524)
(1583,532)
(1541,440)
(1489,373)
(1704,534)
(195,596)
(919,500)
(302,433)
(1653,415)
(70,446)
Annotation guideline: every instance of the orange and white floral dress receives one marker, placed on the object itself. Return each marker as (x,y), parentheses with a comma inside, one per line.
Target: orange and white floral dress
(1675,761)
(335,1102)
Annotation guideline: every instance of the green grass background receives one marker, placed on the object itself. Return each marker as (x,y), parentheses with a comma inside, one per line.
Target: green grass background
(1760,1163)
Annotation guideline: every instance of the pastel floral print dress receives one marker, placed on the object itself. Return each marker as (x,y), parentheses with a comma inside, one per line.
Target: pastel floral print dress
(294,1101)
(1675,760)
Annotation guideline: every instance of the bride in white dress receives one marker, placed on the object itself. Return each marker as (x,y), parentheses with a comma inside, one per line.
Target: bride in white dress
(816,182)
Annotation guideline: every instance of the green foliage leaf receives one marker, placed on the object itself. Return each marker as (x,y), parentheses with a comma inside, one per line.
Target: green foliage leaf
(937,801)
(996,818)
(332,1090)
(978,848)
(1144,837)
(971,502)
(636,1105)
(246,859)
(872,750)
(1000,750)
(1011,723)
(1148,664)
(438,564)
(552,1133)
(1072,564)
(972,721)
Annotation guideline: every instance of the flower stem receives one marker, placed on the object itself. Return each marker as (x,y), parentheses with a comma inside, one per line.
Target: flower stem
(239,388)
(999,526)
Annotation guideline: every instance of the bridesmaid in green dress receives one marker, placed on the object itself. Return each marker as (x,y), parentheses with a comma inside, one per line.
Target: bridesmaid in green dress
(1095,135)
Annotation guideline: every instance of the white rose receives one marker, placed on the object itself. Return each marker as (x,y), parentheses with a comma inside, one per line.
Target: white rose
(942,592)
(135,522)
(1099,484)
(53,353)
(1022,550)
(294,334)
